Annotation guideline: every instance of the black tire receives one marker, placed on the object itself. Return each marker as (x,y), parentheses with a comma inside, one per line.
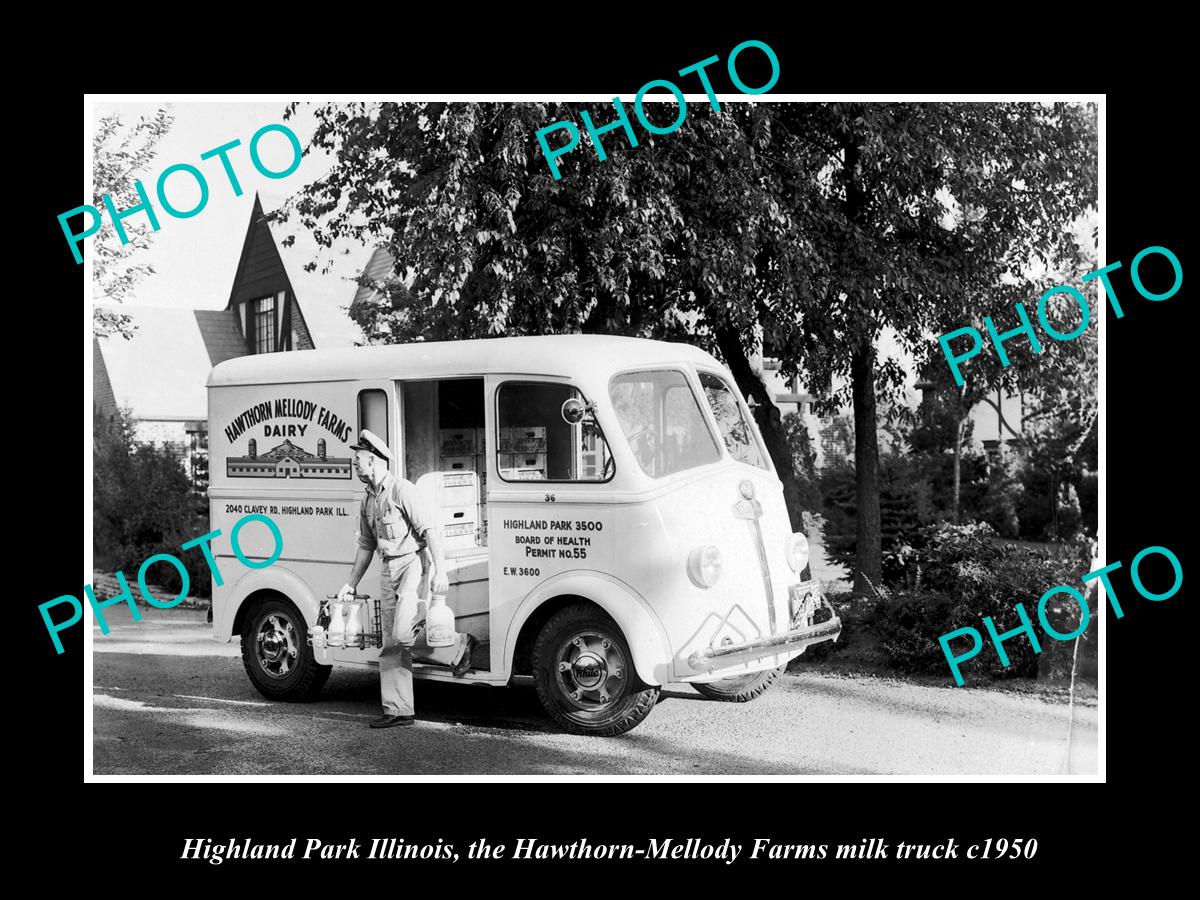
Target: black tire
(271,631)
(595,690)
(740,688)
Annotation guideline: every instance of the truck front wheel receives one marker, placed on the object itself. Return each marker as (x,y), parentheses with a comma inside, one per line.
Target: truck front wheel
(276,653)
(740,688)
(584,674)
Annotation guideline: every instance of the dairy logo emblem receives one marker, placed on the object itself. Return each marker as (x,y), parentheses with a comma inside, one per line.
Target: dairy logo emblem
(287,460)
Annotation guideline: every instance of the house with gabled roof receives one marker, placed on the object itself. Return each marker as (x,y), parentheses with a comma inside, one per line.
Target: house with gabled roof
(279,301)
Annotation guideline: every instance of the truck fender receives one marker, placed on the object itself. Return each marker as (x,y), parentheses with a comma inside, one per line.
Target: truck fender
(276,578)
(638,622)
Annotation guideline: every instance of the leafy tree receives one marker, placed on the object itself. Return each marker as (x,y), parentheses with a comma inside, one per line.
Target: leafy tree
(143,504)
(121,154)
(805,228)
(684,237)
(1060,424)
(1058,385)
(892,253)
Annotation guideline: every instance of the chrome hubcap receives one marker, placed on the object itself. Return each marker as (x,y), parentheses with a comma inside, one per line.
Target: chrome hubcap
(591,670)
(277,645)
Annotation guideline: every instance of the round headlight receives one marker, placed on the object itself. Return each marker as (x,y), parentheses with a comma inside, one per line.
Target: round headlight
(797,552)
(704,566)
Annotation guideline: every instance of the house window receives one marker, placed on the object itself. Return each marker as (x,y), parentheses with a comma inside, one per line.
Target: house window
(264,325)
(197,454)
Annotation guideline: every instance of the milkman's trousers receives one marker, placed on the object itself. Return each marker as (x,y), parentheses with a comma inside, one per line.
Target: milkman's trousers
(402,620)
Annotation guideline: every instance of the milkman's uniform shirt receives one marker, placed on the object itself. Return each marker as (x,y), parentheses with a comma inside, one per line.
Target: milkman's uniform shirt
(391,519)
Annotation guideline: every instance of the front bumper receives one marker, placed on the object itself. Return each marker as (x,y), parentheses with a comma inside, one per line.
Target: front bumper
(804,633)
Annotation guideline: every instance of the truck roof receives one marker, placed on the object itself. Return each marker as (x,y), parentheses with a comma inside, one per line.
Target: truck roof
(557,354)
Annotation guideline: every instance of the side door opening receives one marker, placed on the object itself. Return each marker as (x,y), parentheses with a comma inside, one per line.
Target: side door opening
(445,454)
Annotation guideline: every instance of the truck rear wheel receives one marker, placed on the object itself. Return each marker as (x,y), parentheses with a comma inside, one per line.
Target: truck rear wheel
(584,674)
(276,653)
(740,688)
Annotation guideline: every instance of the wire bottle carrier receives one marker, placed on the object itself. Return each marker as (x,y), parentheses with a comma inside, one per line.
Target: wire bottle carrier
(371,637)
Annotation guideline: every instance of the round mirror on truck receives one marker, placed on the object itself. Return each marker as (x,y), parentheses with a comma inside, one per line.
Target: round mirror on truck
(573,411)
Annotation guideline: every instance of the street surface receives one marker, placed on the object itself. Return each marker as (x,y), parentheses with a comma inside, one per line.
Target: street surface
(169,700)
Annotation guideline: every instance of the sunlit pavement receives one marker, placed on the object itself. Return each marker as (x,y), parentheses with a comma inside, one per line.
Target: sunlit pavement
(169,700)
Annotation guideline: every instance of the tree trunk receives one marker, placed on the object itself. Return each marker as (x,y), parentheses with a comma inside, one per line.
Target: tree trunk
(959,423)
(868,549)
(1053,506)
(769,419)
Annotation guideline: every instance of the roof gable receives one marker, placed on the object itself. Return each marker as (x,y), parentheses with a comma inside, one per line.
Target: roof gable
(260,270)
(275,257)
(378,267)
(220,333)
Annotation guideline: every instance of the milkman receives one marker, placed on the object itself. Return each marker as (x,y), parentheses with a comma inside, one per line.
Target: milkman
(394,521)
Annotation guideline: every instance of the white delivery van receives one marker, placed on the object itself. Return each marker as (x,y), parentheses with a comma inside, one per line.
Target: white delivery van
(612,522)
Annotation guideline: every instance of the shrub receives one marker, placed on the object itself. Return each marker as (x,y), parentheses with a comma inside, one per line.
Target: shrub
(907,624)
(959,575)
(1089,501)
(839,502)
(1060,499)
(804,461)
(931,442)
(905,507)
(1069,516)
(143,504)
(1002,497)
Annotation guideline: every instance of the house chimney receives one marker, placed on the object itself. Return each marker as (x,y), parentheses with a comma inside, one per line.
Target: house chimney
(252,451)
(321,448)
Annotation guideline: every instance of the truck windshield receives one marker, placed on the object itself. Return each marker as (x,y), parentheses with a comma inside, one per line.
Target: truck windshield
(735,429)
(662,421)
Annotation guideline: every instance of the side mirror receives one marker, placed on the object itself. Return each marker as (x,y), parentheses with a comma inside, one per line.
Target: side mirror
(575,410)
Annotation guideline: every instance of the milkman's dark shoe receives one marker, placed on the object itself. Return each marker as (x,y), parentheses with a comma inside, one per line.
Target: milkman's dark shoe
(393,721)
(464,661)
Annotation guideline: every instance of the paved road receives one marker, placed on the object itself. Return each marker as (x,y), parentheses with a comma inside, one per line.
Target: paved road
(168,700)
